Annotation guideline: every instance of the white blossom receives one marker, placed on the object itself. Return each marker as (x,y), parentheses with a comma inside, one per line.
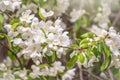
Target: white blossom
(22,74)
(76,14)
(27,16)
(69,75)
(46,14)
(9,5)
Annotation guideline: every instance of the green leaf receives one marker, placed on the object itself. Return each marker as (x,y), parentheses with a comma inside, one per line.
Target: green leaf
(78,24)
(105,64)
(96,52)
(100,47)
(107,57)
(71,62)
(81,58)
(12,57)
(74,46)
(2,36)
(78,40)
(84,45)
(1,18)
(1,21)
(83,21)
(88,35)
(106,50)
(15,20)
(9,40)
(54,56)
(43,65)
(89,53)
(84,41)
(15,25)
(44,78)
(16,68)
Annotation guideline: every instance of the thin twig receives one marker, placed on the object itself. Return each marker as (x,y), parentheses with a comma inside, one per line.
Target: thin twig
(116,19)
(74,39)
(73,48)
(97,77)
(81,73)
(74,34)
(85,28)
(110,75)
(6,14)
(13,54)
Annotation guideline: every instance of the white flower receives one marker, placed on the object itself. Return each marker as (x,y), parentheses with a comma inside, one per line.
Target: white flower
(46,26)
(64,39)
(99,32)
(3,67)
(39,37)
(113,41)
(8,27)
(113,34)
(35,24)
(9,5)
(103,75)
(13,33)
(8,75)
(106,10)
(62,6)
(104,26)
(46,14)
(44,71)
(55,29)
(26,33)
(35,71)
(51,40)
(33,7)
(8,61)
(115,62)
(76,14)
(26,17)
(32,48)
(91,61)
(57,65)
(113,46)
(101,18)
(52,72)
(69,75)
(17,41)
(22,74)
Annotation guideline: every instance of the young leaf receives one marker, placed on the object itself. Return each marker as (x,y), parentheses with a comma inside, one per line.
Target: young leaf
(81,58)
(15,25)
(99,47)
(84,41)
(96,52)
(1,21)
(54,56)
(88,35)
(105,64)
(71,62)
(106,50)
(2,36)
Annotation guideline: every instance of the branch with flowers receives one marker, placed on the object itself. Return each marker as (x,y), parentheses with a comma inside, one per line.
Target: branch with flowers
(59,40)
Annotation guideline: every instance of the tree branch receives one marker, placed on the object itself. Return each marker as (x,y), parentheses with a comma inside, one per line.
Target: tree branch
(116,19)
(97,77)
(110,75)
(13,54)
(80,73)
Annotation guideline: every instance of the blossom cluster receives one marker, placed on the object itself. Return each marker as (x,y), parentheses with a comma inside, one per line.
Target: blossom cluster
(45,38)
